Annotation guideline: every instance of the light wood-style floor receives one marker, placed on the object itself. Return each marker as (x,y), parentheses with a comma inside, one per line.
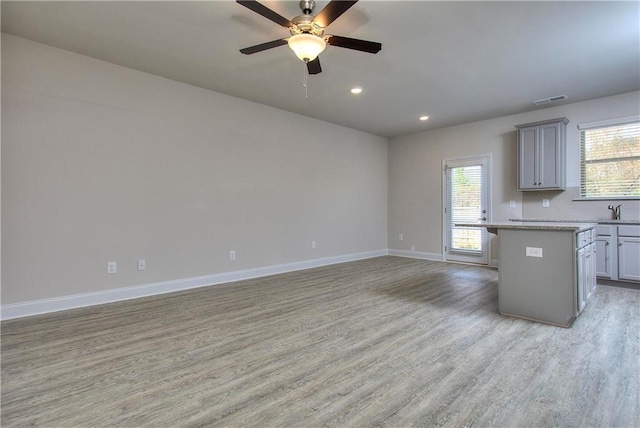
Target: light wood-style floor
(381,342)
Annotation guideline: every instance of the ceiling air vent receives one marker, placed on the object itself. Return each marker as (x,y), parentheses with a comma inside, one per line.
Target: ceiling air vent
(550,100)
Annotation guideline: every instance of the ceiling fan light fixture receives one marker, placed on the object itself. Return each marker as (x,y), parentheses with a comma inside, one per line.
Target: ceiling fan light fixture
(306,46)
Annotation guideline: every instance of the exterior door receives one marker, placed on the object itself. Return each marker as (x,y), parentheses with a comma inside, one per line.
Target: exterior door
(466,197)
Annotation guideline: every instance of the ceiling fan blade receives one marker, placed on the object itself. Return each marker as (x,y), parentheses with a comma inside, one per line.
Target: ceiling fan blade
(266,12)
(313,67)
(332,11)
(263,47)
(355,44)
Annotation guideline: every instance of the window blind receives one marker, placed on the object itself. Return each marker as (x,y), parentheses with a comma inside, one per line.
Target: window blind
(466,207)
(610,161)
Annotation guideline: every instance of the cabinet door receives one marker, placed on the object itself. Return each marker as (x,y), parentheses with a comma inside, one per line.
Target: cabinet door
(549,156)
(527,158)
(629,258)
(603,257)
(591,270)
(581,268)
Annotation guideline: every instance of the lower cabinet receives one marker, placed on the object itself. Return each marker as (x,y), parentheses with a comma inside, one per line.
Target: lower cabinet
(604,260)
(618,252)
(586,271)
(629,258)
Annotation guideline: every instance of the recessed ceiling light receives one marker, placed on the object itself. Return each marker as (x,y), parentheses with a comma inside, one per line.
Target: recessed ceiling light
(356,90)
(423,118)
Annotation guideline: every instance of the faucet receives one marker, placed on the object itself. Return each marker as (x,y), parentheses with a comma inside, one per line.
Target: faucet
(617,211)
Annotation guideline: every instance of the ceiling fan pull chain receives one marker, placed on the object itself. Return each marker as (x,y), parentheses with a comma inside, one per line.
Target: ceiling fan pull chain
(305,81)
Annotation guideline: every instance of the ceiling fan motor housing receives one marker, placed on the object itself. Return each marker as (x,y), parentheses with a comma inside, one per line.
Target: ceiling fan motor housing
(305,24)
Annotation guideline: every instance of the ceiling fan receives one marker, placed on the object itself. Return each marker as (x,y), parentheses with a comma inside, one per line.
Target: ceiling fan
(307,31)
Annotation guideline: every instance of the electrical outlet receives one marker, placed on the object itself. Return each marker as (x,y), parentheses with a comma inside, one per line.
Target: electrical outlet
(232,255)
(313,245)
(413,248)
(142,264)
(400,237)
(545,203)
(512,204)
(533,252)
(112,267)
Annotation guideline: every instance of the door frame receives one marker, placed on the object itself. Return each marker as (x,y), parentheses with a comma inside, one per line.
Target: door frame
(484,157)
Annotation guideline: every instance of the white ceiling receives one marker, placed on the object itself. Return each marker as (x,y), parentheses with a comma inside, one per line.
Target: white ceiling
(454,61)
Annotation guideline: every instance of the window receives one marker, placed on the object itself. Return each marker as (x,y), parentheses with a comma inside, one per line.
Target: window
(610,159)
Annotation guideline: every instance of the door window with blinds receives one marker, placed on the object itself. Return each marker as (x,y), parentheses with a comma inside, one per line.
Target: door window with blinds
(610,159)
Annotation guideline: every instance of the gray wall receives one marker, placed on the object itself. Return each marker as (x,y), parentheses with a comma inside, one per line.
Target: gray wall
(101,163)
(415,173)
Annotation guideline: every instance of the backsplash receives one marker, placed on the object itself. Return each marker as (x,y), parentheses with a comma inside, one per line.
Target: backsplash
(562,206)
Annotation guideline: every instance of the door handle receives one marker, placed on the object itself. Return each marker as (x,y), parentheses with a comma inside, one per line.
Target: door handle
(483,218)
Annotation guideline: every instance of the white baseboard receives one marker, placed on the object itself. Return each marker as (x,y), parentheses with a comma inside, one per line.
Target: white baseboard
(44,306)
(417,255)
(37,307)
(429,256)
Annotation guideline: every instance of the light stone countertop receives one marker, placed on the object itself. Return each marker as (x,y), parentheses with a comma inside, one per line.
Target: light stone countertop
(599,221)
(533,225)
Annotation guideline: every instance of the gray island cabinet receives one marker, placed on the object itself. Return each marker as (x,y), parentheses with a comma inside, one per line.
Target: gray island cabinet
(546,271)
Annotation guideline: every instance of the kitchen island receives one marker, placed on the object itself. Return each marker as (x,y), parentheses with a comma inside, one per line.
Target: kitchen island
(546,270)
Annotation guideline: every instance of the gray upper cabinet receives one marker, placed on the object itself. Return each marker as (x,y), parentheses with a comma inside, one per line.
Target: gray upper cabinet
(542,155)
